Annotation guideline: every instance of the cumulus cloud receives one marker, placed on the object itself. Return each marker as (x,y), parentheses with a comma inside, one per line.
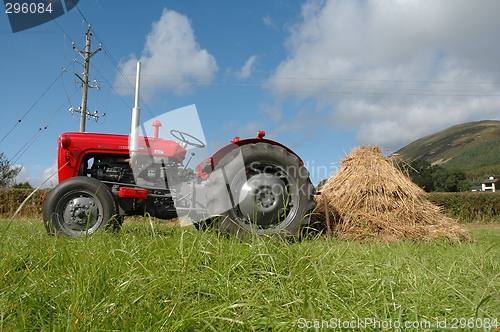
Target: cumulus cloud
(171,59)
(246,70)
(394,70)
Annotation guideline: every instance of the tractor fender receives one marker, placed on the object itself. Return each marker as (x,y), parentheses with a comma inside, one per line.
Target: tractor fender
(208,165)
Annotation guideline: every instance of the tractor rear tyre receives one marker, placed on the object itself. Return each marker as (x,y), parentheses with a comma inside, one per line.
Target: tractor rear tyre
(260,189)
(80,206)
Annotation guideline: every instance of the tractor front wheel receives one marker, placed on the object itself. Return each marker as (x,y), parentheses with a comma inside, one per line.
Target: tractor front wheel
(78,207)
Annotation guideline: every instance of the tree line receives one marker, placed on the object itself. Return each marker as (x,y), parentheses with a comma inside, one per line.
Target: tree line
(433,178)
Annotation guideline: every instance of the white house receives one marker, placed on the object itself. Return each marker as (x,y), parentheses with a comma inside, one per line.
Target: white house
(489,185)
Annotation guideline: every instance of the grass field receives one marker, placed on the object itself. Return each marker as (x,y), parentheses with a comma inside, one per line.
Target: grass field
(151,277)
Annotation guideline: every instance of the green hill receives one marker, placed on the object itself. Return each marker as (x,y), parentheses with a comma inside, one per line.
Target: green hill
(468,146)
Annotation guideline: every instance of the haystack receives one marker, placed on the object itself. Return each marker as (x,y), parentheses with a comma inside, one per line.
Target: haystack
(370,199)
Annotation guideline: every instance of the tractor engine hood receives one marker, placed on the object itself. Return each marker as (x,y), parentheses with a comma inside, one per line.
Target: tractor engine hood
(73,146)
(167,148)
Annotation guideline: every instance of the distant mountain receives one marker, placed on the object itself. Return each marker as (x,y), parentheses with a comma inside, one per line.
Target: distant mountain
(468,146)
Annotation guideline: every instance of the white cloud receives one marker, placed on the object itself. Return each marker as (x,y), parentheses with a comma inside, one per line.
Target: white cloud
(47,177)
(23,176)
(171,58)
(246,70)
(268,21)
(250,129)
(385,68)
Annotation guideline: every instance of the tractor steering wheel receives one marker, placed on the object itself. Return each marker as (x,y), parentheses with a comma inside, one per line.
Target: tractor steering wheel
(181,136)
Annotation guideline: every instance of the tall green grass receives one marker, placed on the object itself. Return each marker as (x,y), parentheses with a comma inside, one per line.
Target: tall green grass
(151,277)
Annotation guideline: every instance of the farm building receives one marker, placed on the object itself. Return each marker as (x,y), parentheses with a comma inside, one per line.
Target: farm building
(489,185)
(486,186)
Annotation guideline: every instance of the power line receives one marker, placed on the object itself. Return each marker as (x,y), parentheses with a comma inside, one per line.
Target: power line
(418,92)
(339,90)
(320,79)
(298,89)
(86,55)
(111,86)
(129,83)
(303,87)
(383,80)
(266,86)
(38,133)
(115,63)
(32,106)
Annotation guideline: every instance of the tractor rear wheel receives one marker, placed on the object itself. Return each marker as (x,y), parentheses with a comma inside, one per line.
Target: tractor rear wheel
(260,189)
(80,206)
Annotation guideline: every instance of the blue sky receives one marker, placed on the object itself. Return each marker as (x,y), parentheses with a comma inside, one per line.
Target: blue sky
(319,76)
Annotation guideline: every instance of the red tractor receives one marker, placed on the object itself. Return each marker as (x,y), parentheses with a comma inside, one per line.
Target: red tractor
(250,186)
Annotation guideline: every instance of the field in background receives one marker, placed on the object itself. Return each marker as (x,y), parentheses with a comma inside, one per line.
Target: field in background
(467,207)
(149,277)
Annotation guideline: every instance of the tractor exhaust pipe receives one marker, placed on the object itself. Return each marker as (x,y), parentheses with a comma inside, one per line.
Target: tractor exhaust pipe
(136,116)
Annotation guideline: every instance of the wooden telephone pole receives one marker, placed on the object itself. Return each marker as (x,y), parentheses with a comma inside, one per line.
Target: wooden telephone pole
(86,55)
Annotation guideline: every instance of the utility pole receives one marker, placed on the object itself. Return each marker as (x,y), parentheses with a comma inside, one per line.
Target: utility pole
(86,55)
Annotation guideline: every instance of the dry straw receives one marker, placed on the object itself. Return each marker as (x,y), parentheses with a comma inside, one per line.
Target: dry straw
(370,199)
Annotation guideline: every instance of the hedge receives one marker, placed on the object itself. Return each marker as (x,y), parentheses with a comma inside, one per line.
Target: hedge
(465,206)
(469,206)
(11,199)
